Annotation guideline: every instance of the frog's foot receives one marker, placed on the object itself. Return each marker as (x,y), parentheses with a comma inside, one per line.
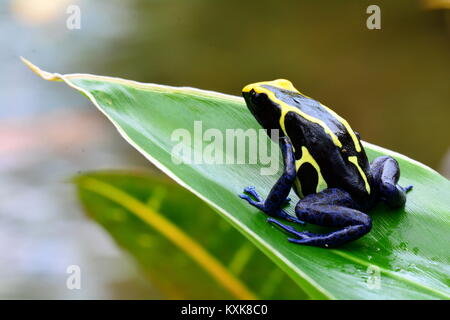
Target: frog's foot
(261,205)
(289,229)
(386,173)
(257,204)
(252,191)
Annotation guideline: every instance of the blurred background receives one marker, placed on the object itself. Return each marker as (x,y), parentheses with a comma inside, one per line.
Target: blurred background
(392,85)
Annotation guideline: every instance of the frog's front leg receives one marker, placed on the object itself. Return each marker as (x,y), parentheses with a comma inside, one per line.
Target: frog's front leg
(385,173)
(329,208)
(278,195)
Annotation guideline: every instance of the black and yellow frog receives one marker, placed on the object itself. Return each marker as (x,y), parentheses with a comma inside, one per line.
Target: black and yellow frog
(325,163)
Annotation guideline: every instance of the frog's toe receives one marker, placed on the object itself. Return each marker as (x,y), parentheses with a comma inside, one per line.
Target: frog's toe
(304,240)
(254,203)
(249,189)
(245,197)
(288,229)
(294,219)
(252,191)
(283,214)
(316,242)
(283,226)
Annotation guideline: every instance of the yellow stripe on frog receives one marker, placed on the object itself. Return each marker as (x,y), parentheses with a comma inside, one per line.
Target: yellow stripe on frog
(287,85)
(347,126)
(308,158)
(280,84)
(354,160)
(285,108)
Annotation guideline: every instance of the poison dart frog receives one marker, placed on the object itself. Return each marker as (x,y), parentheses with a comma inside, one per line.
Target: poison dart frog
(326,165)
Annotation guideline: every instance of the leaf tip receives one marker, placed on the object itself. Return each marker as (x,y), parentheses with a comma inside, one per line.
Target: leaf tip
(43,74)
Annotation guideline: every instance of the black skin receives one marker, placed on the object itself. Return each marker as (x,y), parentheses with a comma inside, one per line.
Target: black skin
(342,205)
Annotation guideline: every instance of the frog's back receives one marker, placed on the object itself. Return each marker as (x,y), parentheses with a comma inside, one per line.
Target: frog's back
(328,152)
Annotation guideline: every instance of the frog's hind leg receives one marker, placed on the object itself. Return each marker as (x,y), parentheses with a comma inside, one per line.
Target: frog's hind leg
(385,173)
(278,195)
(329,208)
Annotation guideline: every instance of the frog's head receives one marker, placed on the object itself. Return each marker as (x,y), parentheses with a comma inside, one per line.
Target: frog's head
(261,100)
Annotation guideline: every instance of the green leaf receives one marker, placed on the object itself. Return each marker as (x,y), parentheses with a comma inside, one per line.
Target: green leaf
(186,249)
(408,247)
